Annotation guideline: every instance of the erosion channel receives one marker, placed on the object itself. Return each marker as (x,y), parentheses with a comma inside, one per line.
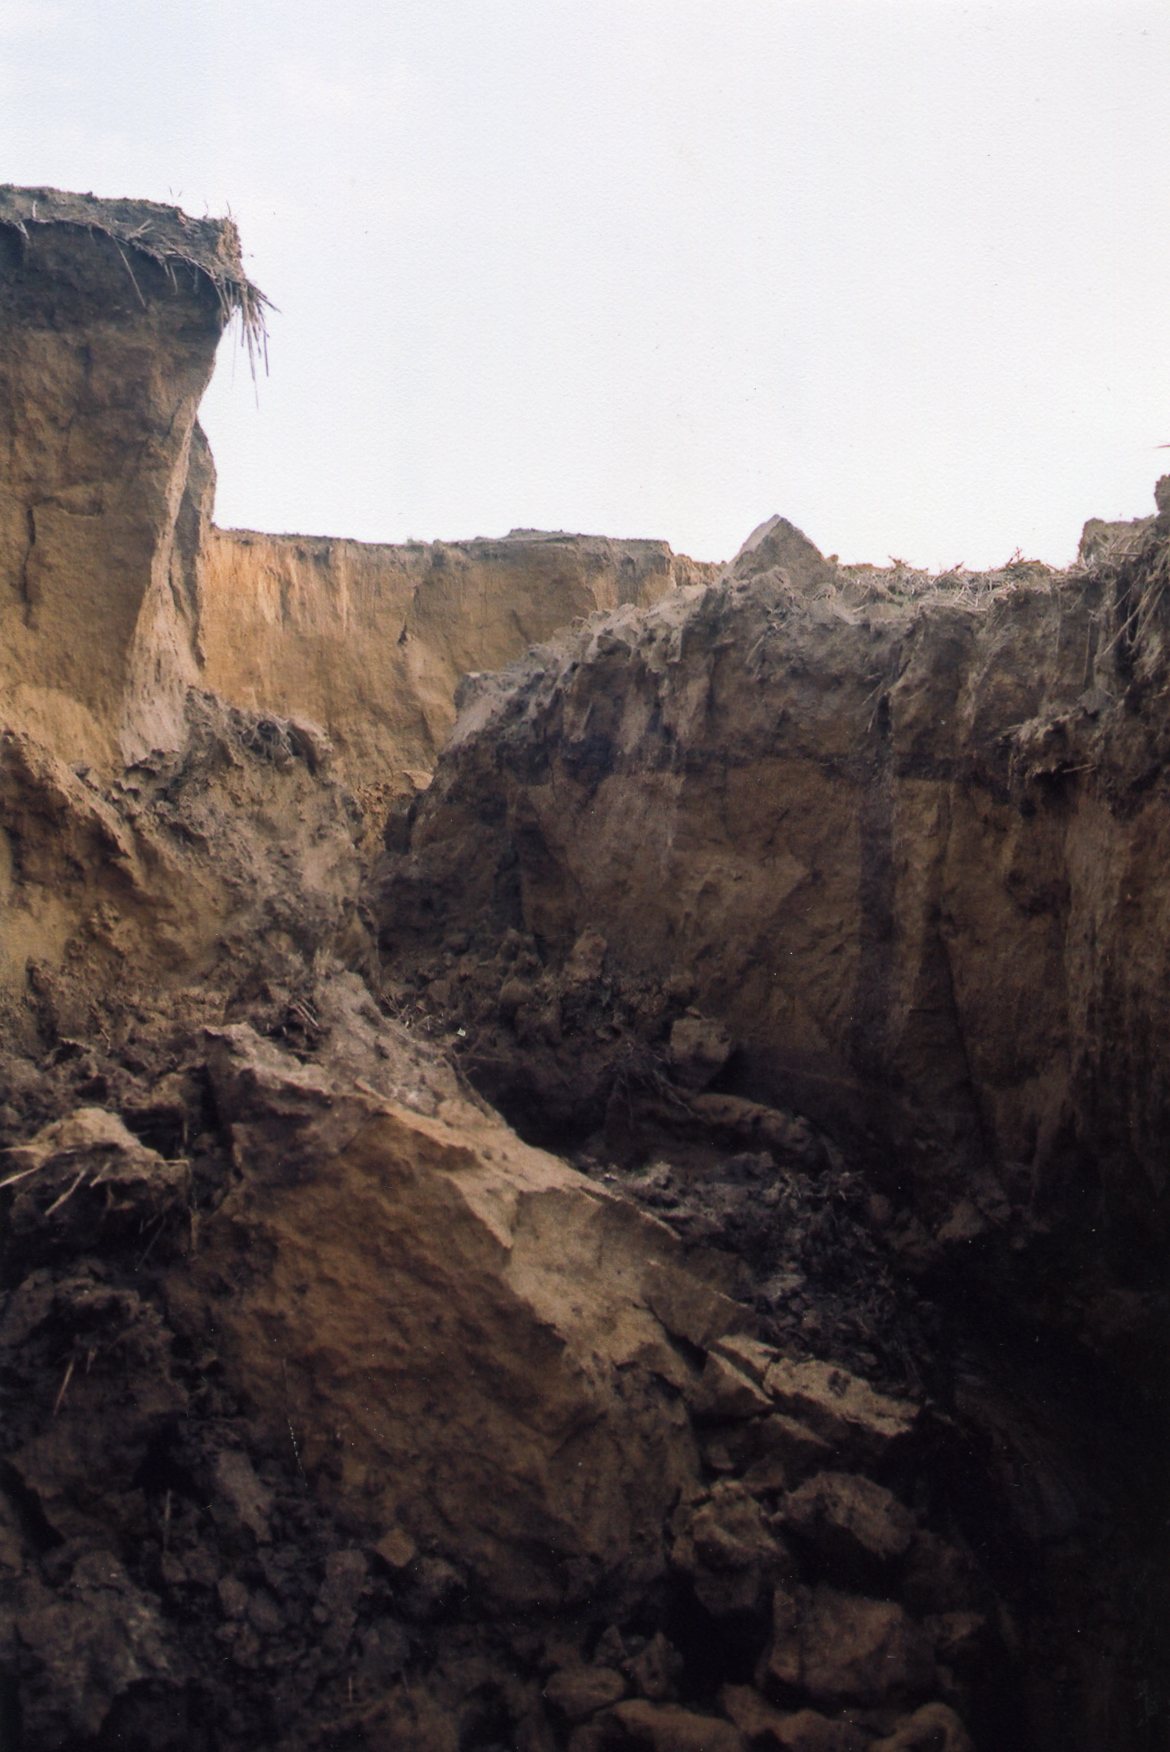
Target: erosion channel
(584,1134)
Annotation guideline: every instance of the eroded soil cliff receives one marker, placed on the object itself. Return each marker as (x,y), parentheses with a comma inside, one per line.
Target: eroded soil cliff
(881,852)
(373,640)
(111,314)
(792,1374)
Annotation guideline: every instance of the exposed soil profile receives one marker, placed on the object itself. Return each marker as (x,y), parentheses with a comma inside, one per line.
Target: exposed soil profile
(584,1136)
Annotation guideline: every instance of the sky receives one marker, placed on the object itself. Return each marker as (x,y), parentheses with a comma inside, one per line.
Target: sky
(897,271)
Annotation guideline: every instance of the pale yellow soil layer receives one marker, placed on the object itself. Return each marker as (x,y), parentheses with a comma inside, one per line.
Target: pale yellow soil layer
(370,641)
(109,342)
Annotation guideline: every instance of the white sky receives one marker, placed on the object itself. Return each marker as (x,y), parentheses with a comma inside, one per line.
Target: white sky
(654,267)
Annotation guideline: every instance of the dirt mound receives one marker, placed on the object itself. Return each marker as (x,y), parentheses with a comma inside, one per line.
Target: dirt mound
(332,1409)
(230,858)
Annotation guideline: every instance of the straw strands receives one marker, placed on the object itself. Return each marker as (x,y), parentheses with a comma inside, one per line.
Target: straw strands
(209,248)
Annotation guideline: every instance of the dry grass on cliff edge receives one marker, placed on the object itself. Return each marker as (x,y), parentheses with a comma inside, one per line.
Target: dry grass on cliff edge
(168,236)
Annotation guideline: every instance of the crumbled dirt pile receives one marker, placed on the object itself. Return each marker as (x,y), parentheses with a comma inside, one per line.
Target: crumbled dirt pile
(334,1415)
(231,858)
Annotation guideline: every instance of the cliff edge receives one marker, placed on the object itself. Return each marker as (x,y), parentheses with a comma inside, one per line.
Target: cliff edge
(111,312)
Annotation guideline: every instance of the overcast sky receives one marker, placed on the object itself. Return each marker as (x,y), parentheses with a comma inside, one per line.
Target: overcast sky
(654,267)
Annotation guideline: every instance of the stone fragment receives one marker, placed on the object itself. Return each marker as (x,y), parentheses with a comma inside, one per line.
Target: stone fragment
(337,1601)
(689,1308)
(172,1569)
(724,1392)
(862,1650)
(842,1648)
(611,1650)
(917,1249)
(431,1583)
(655,1672)
(767,1476)
(856,1528)
(756,1126)
(385,1652)
(749,1355)
(933,1728)
(843,1409)
(241,1498)
(730,1554)
(728,1531)
(514,995)
(699,1049)
(750,1712)
(777,545)
(879,1210)
(201,1567)
(463,1326)
(233,1596)
(665,1727)
(263,1613)
(587,960)
(579,1692)
(716,1453)
(780,1437)
(782,1667)
(765,1727)
(396,1549)
(965,1224)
